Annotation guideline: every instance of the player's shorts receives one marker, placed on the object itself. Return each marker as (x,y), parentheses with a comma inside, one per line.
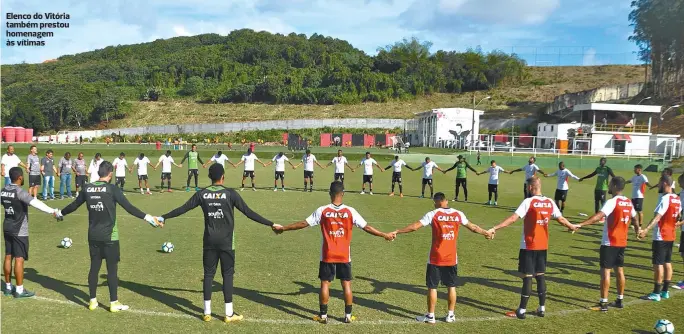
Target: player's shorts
(327,271)
(308,174)
(600,195)
(192,172)
(280,175)
(339,177)
(427,181)
(248,173)
(142,177)
(560,195)
(493,188)
(80,180)
(120,180)
(166,176)
(661,252)
(368,179)
(638,204)
(446,274)
(461,181)
(104,250)
(396,177)
(17,246)
(525,192)
(34,180)
(531,262)
(212,256)
(611,257)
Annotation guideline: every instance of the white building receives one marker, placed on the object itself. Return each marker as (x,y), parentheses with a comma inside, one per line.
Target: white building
(548,134)
(444,127)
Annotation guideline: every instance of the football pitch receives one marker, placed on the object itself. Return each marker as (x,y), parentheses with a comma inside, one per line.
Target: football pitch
(276,284)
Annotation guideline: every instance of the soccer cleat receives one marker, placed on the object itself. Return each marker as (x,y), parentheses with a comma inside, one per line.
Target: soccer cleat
(450,318)
(206,317)
(349,319)
(391,194)
(233,318)
(455,200)
(515,314)
(149,192)
(679,285)
(495,204)
(540,313)
(8,292)
(370,193)
(93,305)
(617,304)
(401,195)
(426,319)
(311,190)
(488,203)
(24,294)
(283,189)
(653,296)
(187,189)
(253,189)
(197,188)
(362,192)
(117,306)
(242,189)
(665,294)
(275,189)
(320,319)
(421,196)
(603,307)
(465,199)
(170,190)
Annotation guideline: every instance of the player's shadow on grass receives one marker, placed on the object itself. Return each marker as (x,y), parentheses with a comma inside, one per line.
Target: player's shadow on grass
(70,293)
(263,299)
(158,294)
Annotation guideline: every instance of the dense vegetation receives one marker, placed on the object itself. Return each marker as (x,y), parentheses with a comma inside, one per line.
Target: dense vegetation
(244,66)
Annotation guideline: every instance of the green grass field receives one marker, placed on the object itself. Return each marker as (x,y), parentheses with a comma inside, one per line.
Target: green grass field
(276,276)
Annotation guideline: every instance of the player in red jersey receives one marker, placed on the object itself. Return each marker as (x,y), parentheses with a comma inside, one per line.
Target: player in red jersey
(666,216)
(536,212)
(337,221)
(443,261)
(618,212)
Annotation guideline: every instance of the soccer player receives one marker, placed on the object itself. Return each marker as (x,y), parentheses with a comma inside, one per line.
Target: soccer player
(280,160)
(618,212)
(80,170)
(16,201)
(493,185)
(219,158)
(308,160)
(337,221)
(142,162)
(248,159)
(667,171)
(561,195)
(10,160)
(166,160)
(101,198)
(530,170)
(461,167)
(667,215)
(367,162)
(121,166)
(442,260)
(193,168)
(35,177)
(428,166)
(680,284)
(48,169)
(94,167)
(602,173)
(639,182)
(536,212)
(340,161)
(218,204)
(478,158)
(396,164)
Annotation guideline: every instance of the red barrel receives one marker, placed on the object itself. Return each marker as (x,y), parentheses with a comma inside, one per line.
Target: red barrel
(2,134)
(19,134)
(10,134)
(28,135)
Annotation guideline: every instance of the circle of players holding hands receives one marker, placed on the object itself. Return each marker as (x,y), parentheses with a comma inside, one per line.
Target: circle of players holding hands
(336,221)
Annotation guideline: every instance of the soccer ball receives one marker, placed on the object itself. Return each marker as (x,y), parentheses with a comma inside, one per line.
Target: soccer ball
(663,326)
(167,247)
(66,243)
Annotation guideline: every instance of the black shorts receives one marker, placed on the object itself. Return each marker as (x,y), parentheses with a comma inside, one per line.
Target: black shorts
(120,180)
(446,274)
(561,195)
(611,257)
(531,262)
(142,177)
(80,180)
(104,250)
(192,172)
(600,195)
(212,256)
(328,271)
(396,177)
(34,180)
(462,181)
(368,179)
(662,252)
(638,204)
(166,176)
(493,188)
(308,174)
(248,173)
(339,177)
(427,181)
(280,175)
(17,246)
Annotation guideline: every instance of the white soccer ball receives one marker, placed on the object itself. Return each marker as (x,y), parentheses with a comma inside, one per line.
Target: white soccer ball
(167,247)
(663,326)
(66,243)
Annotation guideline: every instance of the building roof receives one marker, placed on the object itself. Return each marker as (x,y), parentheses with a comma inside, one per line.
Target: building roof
(617,107)
(469,111)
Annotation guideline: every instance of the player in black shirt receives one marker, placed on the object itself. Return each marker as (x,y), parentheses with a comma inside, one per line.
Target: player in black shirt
(218,204)
(103,231)
(15,201)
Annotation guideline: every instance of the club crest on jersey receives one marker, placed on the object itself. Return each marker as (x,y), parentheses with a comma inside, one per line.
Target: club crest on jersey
(96,189)
(214,196)
(8,194)
(542,205)
(339,233)
(9,211)
(332,214)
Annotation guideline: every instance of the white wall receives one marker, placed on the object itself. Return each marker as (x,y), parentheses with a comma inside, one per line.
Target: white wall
(638,146)
(601,144)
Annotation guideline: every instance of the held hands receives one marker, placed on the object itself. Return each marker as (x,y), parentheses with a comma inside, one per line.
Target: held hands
(642,233)
(58,215)
(277,229)
(154,221)
(390,236)
(490,234)
(574,228)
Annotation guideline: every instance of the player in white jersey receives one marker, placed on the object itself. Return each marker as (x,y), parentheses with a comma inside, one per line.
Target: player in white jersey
(639,183)
(562,187)
(428,166)
(121,167)
(493,185)
(396,165)
(309,160)
(280,160)
(530,170)
(340,161)
(368,164)
(248,159)
(142,162)
(166,160)
(94,167)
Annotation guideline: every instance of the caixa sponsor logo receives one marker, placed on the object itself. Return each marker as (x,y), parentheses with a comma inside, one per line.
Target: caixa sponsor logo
(218,214)
(96,189)
(448,236)
(97,206)
(8,194)
(337,233)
